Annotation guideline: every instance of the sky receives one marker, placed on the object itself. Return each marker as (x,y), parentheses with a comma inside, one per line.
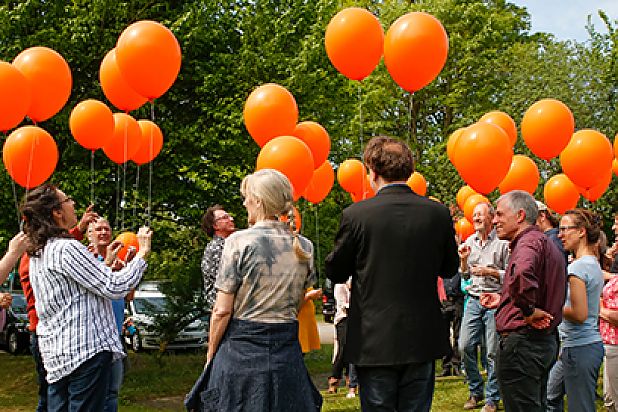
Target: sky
(566,19)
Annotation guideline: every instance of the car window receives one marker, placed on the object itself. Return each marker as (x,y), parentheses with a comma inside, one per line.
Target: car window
(150,306)
(19,304)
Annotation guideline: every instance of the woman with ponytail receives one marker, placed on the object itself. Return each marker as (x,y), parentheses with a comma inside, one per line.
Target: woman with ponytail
(254,359)
(577,369)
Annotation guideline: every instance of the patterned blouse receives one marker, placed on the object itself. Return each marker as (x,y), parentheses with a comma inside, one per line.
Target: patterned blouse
(210,267)
(610,301)
(259,265)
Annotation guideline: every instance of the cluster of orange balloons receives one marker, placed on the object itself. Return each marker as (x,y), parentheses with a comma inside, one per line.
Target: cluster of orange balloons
(415,47)
(298,150)
(352,177)
(482,153)
(36,84)
(122,138)
(143,65)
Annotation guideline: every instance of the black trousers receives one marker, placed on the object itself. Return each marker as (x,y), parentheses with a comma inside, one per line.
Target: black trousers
(452,313)
(523,364)
(338,363)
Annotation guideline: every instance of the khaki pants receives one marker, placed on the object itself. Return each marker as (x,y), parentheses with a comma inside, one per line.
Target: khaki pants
(610,378)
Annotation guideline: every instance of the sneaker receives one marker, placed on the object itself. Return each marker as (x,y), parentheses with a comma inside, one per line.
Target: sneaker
(472,402)
(489,407)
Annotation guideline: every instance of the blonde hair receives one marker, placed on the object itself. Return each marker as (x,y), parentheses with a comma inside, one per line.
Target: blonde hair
(274,192)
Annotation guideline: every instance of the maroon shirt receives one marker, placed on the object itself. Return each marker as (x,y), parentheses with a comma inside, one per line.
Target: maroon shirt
(535,278)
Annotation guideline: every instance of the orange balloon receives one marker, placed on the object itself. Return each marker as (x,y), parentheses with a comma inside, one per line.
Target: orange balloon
(50,81)
(352,176)
(30,156)
(15,96)
(587,158)
(92,124)
(616,145)
(547,127)
(148,56)
(151,142)
(523,175)
(464,228)
(471,203)
(354,42)
(560,193)
(595,192)
(270,111)
(316,137)
(418,184)
(415,50)
(615,166)
(504,121)
(463,194)
(451,143)
(484,156)
(125,140)
(290,156)
(321,183)
(128,239)
(115,87)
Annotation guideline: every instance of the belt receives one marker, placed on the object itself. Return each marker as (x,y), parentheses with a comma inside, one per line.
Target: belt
(474,297)
(531,332)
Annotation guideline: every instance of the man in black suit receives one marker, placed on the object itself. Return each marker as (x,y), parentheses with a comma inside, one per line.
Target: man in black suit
(394,246)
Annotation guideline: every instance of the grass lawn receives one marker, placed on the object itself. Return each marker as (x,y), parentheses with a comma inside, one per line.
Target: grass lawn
(159,383)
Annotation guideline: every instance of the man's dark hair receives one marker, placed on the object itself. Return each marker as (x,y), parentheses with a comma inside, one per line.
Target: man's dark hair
(39,224)
(208,220)
(551,218)
(390,158)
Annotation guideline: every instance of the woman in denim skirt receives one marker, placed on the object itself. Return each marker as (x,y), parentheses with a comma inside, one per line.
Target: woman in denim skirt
(254,360)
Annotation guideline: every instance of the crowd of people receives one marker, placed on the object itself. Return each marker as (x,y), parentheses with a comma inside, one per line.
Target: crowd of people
(532,297)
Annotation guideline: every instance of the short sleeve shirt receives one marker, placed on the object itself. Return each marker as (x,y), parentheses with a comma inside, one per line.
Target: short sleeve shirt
(259,265)
(572,334)
(610,301)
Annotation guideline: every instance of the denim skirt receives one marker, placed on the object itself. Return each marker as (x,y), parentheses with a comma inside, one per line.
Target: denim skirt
(258,367)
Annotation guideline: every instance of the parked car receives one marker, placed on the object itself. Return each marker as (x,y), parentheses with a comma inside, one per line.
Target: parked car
(14,334)
(140,331)
(329,305)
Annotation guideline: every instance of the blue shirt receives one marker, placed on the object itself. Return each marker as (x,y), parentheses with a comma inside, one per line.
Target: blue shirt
(572,334)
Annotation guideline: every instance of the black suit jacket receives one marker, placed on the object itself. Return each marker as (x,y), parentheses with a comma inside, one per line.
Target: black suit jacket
(394,246)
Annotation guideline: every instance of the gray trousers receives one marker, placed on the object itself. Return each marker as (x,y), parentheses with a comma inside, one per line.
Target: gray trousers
(610,378)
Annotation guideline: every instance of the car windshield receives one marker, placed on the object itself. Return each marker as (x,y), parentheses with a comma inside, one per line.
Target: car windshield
(150,306)
(19,304)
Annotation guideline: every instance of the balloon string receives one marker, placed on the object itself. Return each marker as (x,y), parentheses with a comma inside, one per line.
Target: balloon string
(136,194)
(317,236)
(124,175)
(360,118)
(117,193)
(411,127)
(92,177)
(16,202)
(149,214)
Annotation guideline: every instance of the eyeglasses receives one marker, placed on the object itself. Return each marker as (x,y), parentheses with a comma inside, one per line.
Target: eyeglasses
(565,228)
(225,216)
(67,199)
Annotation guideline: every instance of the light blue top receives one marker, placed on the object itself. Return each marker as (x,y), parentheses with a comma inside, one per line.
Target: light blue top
(572,334)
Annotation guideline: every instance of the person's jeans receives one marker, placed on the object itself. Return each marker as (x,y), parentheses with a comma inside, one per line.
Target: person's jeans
(452,313)
(477,322)
(40,372)
(115,381)
(84,389)
(522,367)
(401,388)
(575,374)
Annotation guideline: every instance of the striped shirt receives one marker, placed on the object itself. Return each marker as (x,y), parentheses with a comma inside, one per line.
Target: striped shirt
(73,291)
